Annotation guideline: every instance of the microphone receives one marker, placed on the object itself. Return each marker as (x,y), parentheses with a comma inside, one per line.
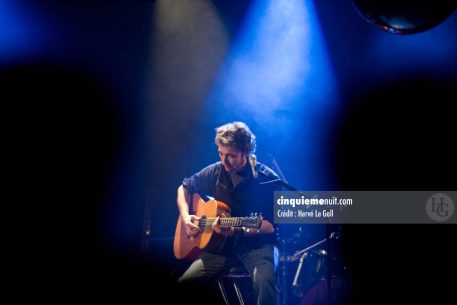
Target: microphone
(253,162)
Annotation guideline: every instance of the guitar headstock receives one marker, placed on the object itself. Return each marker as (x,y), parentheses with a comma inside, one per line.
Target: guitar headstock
(253,221)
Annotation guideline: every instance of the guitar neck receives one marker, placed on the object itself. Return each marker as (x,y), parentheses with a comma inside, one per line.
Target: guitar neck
(227,222)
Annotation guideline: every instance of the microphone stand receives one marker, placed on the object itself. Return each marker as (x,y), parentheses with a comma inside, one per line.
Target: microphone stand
(283,290)
(282,182)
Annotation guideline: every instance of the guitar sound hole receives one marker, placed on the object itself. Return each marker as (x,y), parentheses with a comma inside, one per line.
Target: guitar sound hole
(202,223)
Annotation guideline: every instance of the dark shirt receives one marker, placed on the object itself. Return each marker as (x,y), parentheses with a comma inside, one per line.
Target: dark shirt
(249,196)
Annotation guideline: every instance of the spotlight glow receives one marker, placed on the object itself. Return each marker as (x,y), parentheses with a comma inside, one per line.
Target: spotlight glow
(20,31)
(277,76)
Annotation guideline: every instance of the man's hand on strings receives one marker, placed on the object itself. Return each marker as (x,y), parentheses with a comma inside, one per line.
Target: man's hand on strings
(192,229)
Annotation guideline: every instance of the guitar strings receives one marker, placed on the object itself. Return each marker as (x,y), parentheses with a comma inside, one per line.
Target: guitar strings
(228,222)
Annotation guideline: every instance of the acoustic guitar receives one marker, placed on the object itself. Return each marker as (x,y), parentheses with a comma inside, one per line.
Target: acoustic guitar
(188,248)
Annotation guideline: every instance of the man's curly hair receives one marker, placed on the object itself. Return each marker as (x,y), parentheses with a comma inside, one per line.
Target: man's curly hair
(236,133)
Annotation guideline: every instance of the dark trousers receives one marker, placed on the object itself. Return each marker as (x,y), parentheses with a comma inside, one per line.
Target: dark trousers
(260,264)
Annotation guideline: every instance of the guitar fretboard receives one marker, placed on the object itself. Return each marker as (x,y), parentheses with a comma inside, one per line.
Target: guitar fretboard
(227,222)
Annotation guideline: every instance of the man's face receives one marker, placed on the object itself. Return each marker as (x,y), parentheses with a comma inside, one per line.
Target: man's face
(232,159)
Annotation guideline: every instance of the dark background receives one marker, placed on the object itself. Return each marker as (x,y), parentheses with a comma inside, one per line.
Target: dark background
(101,103)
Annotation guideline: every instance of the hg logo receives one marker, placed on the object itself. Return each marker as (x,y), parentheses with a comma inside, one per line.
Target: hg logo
(439,207)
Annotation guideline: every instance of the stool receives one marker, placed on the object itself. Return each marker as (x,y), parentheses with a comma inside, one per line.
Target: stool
(233,275)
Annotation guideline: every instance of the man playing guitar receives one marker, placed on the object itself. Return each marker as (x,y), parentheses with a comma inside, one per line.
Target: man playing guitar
(239,186)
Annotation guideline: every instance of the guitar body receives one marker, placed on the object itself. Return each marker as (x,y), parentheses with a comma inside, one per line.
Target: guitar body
(189,248)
